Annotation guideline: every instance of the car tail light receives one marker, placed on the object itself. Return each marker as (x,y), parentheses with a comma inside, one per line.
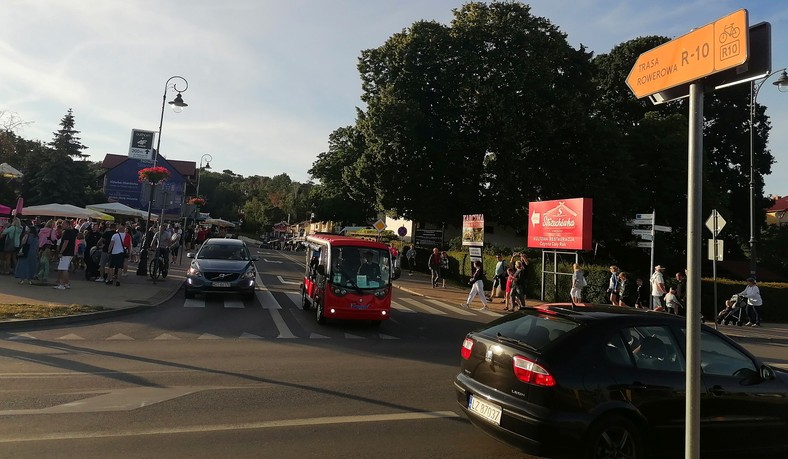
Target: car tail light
(467,346)
(530,372)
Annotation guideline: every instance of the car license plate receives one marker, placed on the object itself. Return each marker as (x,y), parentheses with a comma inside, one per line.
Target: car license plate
(486,410)
(359,306)
(220,284)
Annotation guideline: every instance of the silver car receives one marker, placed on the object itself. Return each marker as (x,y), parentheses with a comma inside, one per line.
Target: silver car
(221,266)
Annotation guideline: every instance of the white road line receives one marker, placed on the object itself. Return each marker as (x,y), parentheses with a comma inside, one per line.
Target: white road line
(264,296)
(21,336)
(193,303)
(276,424)
(166,336)
(121,337)
(287,282)
(488,312)
(296,297)
(318,336)
(284,331)
(456,309)
(424,307)
(352,336)
(209,336)
(71,336)
(401,308)
(233,304)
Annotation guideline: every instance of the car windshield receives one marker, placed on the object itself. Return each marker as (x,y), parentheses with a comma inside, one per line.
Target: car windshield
(534,329)
(360,267)
(223,252)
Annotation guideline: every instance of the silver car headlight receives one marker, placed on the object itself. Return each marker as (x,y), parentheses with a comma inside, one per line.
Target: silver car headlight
(249,274)
(194,271)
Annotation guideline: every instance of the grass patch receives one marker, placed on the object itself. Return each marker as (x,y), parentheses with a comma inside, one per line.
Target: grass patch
(42,311)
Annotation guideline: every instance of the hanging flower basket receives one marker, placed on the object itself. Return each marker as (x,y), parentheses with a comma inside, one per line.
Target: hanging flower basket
(154,175)
(197,201)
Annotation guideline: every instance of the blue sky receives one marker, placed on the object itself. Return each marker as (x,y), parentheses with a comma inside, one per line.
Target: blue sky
(270,80)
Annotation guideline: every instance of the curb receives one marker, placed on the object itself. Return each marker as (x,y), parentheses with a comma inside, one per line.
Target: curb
(85,317)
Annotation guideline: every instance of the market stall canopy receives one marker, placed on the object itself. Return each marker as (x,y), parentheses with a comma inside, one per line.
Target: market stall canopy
(218,222)
(9,171)
(64,210)
(118,209)
(5,210)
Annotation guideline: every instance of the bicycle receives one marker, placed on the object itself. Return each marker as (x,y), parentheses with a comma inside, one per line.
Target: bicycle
(159,265)
(729,31)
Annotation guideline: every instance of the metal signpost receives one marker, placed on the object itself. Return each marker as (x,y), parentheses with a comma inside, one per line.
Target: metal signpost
(707,50)
(715,223)
(648,233)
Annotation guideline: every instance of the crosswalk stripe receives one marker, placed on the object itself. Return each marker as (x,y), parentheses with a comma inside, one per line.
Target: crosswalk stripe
(462,312)
(264,296)
(245,335)
(401,308)
(318,336)
(166,336)
(284,331)
(287,282)
(21,336)
(423,306)
(121,337)
(233,304)
(352,336)
(209,336)
(71,336)
(382,336)
(489,313)
(295,297)
(193,303)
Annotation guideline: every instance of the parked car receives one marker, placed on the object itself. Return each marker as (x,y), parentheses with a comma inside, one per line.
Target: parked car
(602,381)
(221,266)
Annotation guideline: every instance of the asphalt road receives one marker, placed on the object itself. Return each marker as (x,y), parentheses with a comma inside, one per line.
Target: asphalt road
(222,377)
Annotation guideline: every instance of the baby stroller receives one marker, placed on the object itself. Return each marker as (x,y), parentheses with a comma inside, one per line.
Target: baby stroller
(734,314)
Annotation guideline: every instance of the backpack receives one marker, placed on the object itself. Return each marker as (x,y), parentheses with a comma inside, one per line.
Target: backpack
(95,254)
(581,281)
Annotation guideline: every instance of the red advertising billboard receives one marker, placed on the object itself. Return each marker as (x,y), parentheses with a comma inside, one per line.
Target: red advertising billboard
(564,224)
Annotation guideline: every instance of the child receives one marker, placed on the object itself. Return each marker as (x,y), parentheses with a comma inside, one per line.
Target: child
(79,257)
(507,298)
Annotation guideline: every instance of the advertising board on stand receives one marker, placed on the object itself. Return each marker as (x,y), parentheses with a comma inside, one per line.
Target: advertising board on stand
(428,238)
(473,230)
(560,225)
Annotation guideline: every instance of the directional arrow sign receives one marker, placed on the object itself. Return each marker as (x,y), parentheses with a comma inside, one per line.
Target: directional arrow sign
(645,245)
(642,221)
(649,217)
(647,237)
(641,232)
(664,229)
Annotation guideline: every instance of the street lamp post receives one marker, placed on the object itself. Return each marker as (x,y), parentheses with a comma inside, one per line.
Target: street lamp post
(207,158)
(177,106)
(782,85)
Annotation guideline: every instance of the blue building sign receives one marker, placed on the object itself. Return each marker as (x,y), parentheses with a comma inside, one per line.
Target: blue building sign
(122,185)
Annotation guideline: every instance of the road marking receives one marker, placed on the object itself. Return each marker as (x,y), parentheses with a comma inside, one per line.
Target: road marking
(276,424)
(245,335)
(264,296)
(488,312)
(233,304)
(426,308)
(287,282)
(352,336)
(166,336)
(462,312)
(382,336)
(284,331)
(271,261)
(295,297)
(21,336)
(401,308)
(192,303)
(121,336)
(209,336)
(318,336)
(71,337)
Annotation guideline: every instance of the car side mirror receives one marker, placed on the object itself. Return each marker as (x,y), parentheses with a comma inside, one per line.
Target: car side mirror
(190,255)
(767,374)
(321,270)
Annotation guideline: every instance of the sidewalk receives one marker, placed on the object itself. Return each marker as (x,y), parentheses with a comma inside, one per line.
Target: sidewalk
(134,291)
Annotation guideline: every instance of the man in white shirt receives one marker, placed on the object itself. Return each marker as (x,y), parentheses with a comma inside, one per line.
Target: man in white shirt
(657,288)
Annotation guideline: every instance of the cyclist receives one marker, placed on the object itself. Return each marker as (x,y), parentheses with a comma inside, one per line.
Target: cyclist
(162,240)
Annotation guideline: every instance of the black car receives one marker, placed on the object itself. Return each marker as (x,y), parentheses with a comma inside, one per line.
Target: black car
(221,266)
(609,382)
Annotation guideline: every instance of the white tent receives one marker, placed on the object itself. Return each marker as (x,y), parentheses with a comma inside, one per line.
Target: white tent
(64,210)
(118,209)
(217,222)
(9,171)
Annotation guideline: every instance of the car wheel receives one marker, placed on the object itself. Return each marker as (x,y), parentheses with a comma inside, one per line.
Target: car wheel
(613,437)
(249,295)
(321,319)
(304,300)
(188,293)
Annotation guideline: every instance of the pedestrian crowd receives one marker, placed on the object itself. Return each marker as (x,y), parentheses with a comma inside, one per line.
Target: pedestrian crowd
(30,249)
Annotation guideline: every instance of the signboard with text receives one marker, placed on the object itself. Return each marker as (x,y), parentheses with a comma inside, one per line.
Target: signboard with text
(473,230)
(141,144)
(562,224)
(428,238)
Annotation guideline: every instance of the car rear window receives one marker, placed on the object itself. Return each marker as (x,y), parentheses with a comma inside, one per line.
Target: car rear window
(534,328)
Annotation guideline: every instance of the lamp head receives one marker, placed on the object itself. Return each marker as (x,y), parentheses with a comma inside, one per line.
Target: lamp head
(178,104)
(207,165)
(782,82)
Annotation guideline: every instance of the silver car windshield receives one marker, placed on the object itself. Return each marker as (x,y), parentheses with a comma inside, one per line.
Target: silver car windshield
(223,252)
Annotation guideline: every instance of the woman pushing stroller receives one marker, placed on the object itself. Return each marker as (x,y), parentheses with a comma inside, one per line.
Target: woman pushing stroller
(733,307)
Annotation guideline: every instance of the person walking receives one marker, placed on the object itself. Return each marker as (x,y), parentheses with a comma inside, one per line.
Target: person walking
(519,284)
(68,246)
(507,299)
(754,302)
(578,282)
(499,279)
(477,286)
(411,256)
(434,264)
(27,257)
(116,253)
(658,290)
(681,290)
(13,237)
(612,285)
(627,291)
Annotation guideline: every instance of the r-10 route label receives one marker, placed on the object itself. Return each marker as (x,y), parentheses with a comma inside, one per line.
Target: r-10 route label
(709,49)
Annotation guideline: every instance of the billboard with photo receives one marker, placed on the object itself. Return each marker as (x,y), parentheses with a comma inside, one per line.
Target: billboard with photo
(121,184)
(473,230)
(564,224)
